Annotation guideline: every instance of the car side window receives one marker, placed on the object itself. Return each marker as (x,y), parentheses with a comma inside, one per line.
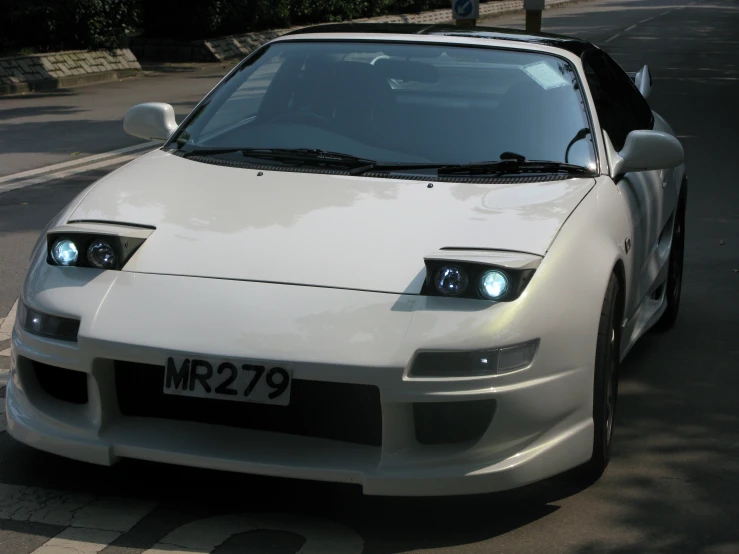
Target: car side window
(639,106)
(620,107)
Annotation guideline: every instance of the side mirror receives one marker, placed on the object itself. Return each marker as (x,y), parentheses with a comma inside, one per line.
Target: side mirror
(151,121)
(646,151)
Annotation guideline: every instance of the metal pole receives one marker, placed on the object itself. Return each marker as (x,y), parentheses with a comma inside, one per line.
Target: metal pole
(466,22)
(533,21)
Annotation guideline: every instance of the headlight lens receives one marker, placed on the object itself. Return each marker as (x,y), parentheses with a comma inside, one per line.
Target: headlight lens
(451,280)
(43,325)
(99,251)
(64,252)
(494,361)
(493,285)
(475,280)
(101,255)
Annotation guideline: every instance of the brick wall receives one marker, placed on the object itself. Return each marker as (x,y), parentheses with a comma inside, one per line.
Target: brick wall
(39,71)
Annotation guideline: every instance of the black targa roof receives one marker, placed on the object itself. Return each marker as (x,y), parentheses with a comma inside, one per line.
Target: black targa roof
(571,44)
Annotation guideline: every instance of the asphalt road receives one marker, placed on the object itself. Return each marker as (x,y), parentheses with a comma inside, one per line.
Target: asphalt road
(674,482)
(41,129)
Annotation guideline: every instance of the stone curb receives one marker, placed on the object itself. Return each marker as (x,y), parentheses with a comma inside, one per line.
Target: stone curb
(54,70)
(70,81)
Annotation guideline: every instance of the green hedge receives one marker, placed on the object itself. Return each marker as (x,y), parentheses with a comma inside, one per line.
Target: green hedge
(48,25)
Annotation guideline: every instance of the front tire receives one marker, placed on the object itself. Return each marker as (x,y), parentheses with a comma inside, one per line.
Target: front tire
(605,382)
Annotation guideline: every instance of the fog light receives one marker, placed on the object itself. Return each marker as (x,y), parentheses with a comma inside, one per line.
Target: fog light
(64,252)
(49,326)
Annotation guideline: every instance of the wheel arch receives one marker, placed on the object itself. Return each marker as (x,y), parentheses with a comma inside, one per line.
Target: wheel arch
(620,271)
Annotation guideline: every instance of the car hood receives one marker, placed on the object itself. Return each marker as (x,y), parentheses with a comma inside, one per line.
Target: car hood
(318,229)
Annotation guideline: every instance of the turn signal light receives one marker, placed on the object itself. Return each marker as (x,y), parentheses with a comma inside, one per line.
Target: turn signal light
(435,363)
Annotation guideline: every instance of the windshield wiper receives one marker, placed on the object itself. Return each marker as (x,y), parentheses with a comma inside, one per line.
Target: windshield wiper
(283,154)
(315,153)
(510,163)
(514,165)
(389,166)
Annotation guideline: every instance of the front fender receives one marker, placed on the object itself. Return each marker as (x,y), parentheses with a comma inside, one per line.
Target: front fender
(573,277)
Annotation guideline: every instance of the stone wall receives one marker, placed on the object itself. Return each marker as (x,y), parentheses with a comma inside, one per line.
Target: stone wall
(238,46)
(57,69)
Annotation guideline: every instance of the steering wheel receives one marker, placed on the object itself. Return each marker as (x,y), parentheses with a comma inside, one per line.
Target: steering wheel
(309,118)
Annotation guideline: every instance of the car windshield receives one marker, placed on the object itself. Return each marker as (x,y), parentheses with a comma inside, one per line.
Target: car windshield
(391,102)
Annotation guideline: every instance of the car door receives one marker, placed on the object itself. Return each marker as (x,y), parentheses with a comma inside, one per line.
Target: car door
(622,109)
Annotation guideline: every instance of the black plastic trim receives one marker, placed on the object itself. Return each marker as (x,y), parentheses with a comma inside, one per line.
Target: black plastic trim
(452,422)
(124,247)
(63,384)
(519,279)
(344,412)
(108,222)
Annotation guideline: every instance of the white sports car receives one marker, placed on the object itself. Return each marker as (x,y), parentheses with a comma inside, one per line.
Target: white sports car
(400,256)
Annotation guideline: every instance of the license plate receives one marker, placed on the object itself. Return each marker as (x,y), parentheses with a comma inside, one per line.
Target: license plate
(228,380)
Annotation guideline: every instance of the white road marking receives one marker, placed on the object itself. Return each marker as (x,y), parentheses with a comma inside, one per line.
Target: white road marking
(6,324)
(205,535)
(664,13)
(79,161)
(613,37)
(647,19)
(74,540)
(629,28)
(67,173)
(92,523)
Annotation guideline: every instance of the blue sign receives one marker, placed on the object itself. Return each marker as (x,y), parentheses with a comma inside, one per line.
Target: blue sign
(465,9)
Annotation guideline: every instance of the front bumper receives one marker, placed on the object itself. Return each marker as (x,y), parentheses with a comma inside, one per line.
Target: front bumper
(541,424)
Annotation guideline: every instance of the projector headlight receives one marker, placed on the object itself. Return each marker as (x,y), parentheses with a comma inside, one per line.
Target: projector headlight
(493,285)
(99,251)
(474,280)
(64,252)
(101,254)
(450,280)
